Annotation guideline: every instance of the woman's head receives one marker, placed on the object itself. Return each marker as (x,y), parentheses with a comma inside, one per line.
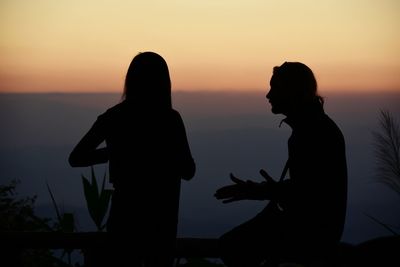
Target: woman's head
(292,84)
(147,81)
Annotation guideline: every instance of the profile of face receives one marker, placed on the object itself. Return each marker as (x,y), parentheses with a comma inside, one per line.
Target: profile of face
(280,96)
(293,86)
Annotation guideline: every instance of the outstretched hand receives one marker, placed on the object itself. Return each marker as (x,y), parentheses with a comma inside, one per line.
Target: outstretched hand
(242,190)
(234,192)
(266,176)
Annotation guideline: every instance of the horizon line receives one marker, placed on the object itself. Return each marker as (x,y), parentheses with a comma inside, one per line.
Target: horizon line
(248,90)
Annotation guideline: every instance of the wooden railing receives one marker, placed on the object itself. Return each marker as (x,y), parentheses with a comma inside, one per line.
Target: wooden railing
(376,251)
(92,242)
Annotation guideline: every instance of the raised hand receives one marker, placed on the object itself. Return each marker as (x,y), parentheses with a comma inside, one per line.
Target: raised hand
(234,192)
(266,176)
(242,190)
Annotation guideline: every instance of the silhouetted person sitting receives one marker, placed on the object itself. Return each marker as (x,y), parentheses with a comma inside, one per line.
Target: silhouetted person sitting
(148,155)
(306,212)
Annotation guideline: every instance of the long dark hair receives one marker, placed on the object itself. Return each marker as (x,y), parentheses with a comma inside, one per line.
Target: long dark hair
(147,82)
(300,78)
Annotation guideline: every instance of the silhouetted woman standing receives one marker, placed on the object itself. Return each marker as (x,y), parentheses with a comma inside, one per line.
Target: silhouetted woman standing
(148,155)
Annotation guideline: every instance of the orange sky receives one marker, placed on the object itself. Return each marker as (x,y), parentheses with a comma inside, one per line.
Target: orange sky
(74,45)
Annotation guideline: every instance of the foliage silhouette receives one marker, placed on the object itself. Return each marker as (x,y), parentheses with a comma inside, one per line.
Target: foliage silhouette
(387,151)
(97,201)
(18,214)
(65,223)
(387,154)
(65,220)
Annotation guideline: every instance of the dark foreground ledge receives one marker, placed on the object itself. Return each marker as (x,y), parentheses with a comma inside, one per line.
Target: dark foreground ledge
(186,247)
(383,251)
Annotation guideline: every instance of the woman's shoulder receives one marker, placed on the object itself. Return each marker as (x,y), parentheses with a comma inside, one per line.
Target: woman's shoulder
(122,109)
(115,110)
(111,114)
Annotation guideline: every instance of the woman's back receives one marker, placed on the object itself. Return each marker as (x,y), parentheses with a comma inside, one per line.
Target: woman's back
(146,144)
(148,156)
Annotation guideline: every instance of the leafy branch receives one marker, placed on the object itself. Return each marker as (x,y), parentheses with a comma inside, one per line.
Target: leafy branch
(387,151)
(387,154)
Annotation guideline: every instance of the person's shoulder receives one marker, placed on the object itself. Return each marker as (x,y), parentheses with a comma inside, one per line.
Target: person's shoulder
(175,113)
(329,122)
(118,108)
(113,112)
(331,127)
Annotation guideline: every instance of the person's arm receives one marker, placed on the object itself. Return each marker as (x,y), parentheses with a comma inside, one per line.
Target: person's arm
(248,190)
(86,152)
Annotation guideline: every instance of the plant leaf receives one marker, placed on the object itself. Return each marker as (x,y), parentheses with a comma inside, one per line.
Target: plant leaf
(91,197)
(54,203)
(97,202)
(94,182)
(387,227)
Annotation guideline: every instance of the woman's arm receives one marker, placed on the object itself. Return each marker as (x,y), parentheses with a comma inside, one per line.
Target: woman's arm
(86,152)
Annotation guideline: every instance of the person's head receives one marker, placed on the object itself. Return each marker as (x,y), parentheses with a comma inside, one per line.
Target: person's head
(147,81)
(292,85)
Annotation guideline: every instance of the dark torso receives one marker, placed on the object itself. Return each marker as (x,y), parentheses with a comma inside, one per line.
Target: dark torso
(316,201)
(147,158)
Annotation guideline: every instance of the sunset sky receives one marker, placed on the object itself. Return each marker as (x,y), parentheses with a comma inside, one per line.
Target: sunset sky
(87,45)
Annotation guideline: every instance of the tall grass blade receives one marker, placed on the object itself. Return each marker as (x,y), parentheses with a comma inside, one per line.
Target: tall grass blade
(54,203)
(386,226)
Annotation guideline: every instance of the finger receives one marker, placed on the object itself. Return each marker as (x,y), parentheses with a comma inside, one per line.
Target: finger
(230,200)
(265,175)
(226,191)
(227,188)
(236,180)
(220,195)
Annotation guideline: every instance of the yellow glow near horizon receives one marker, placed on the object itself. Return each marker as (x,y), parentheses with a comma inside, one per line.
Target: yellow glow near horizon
(73,46)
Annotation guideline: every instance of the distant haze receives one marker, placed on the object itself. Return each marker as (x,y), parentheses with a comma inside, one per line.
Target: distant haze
(228,132)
